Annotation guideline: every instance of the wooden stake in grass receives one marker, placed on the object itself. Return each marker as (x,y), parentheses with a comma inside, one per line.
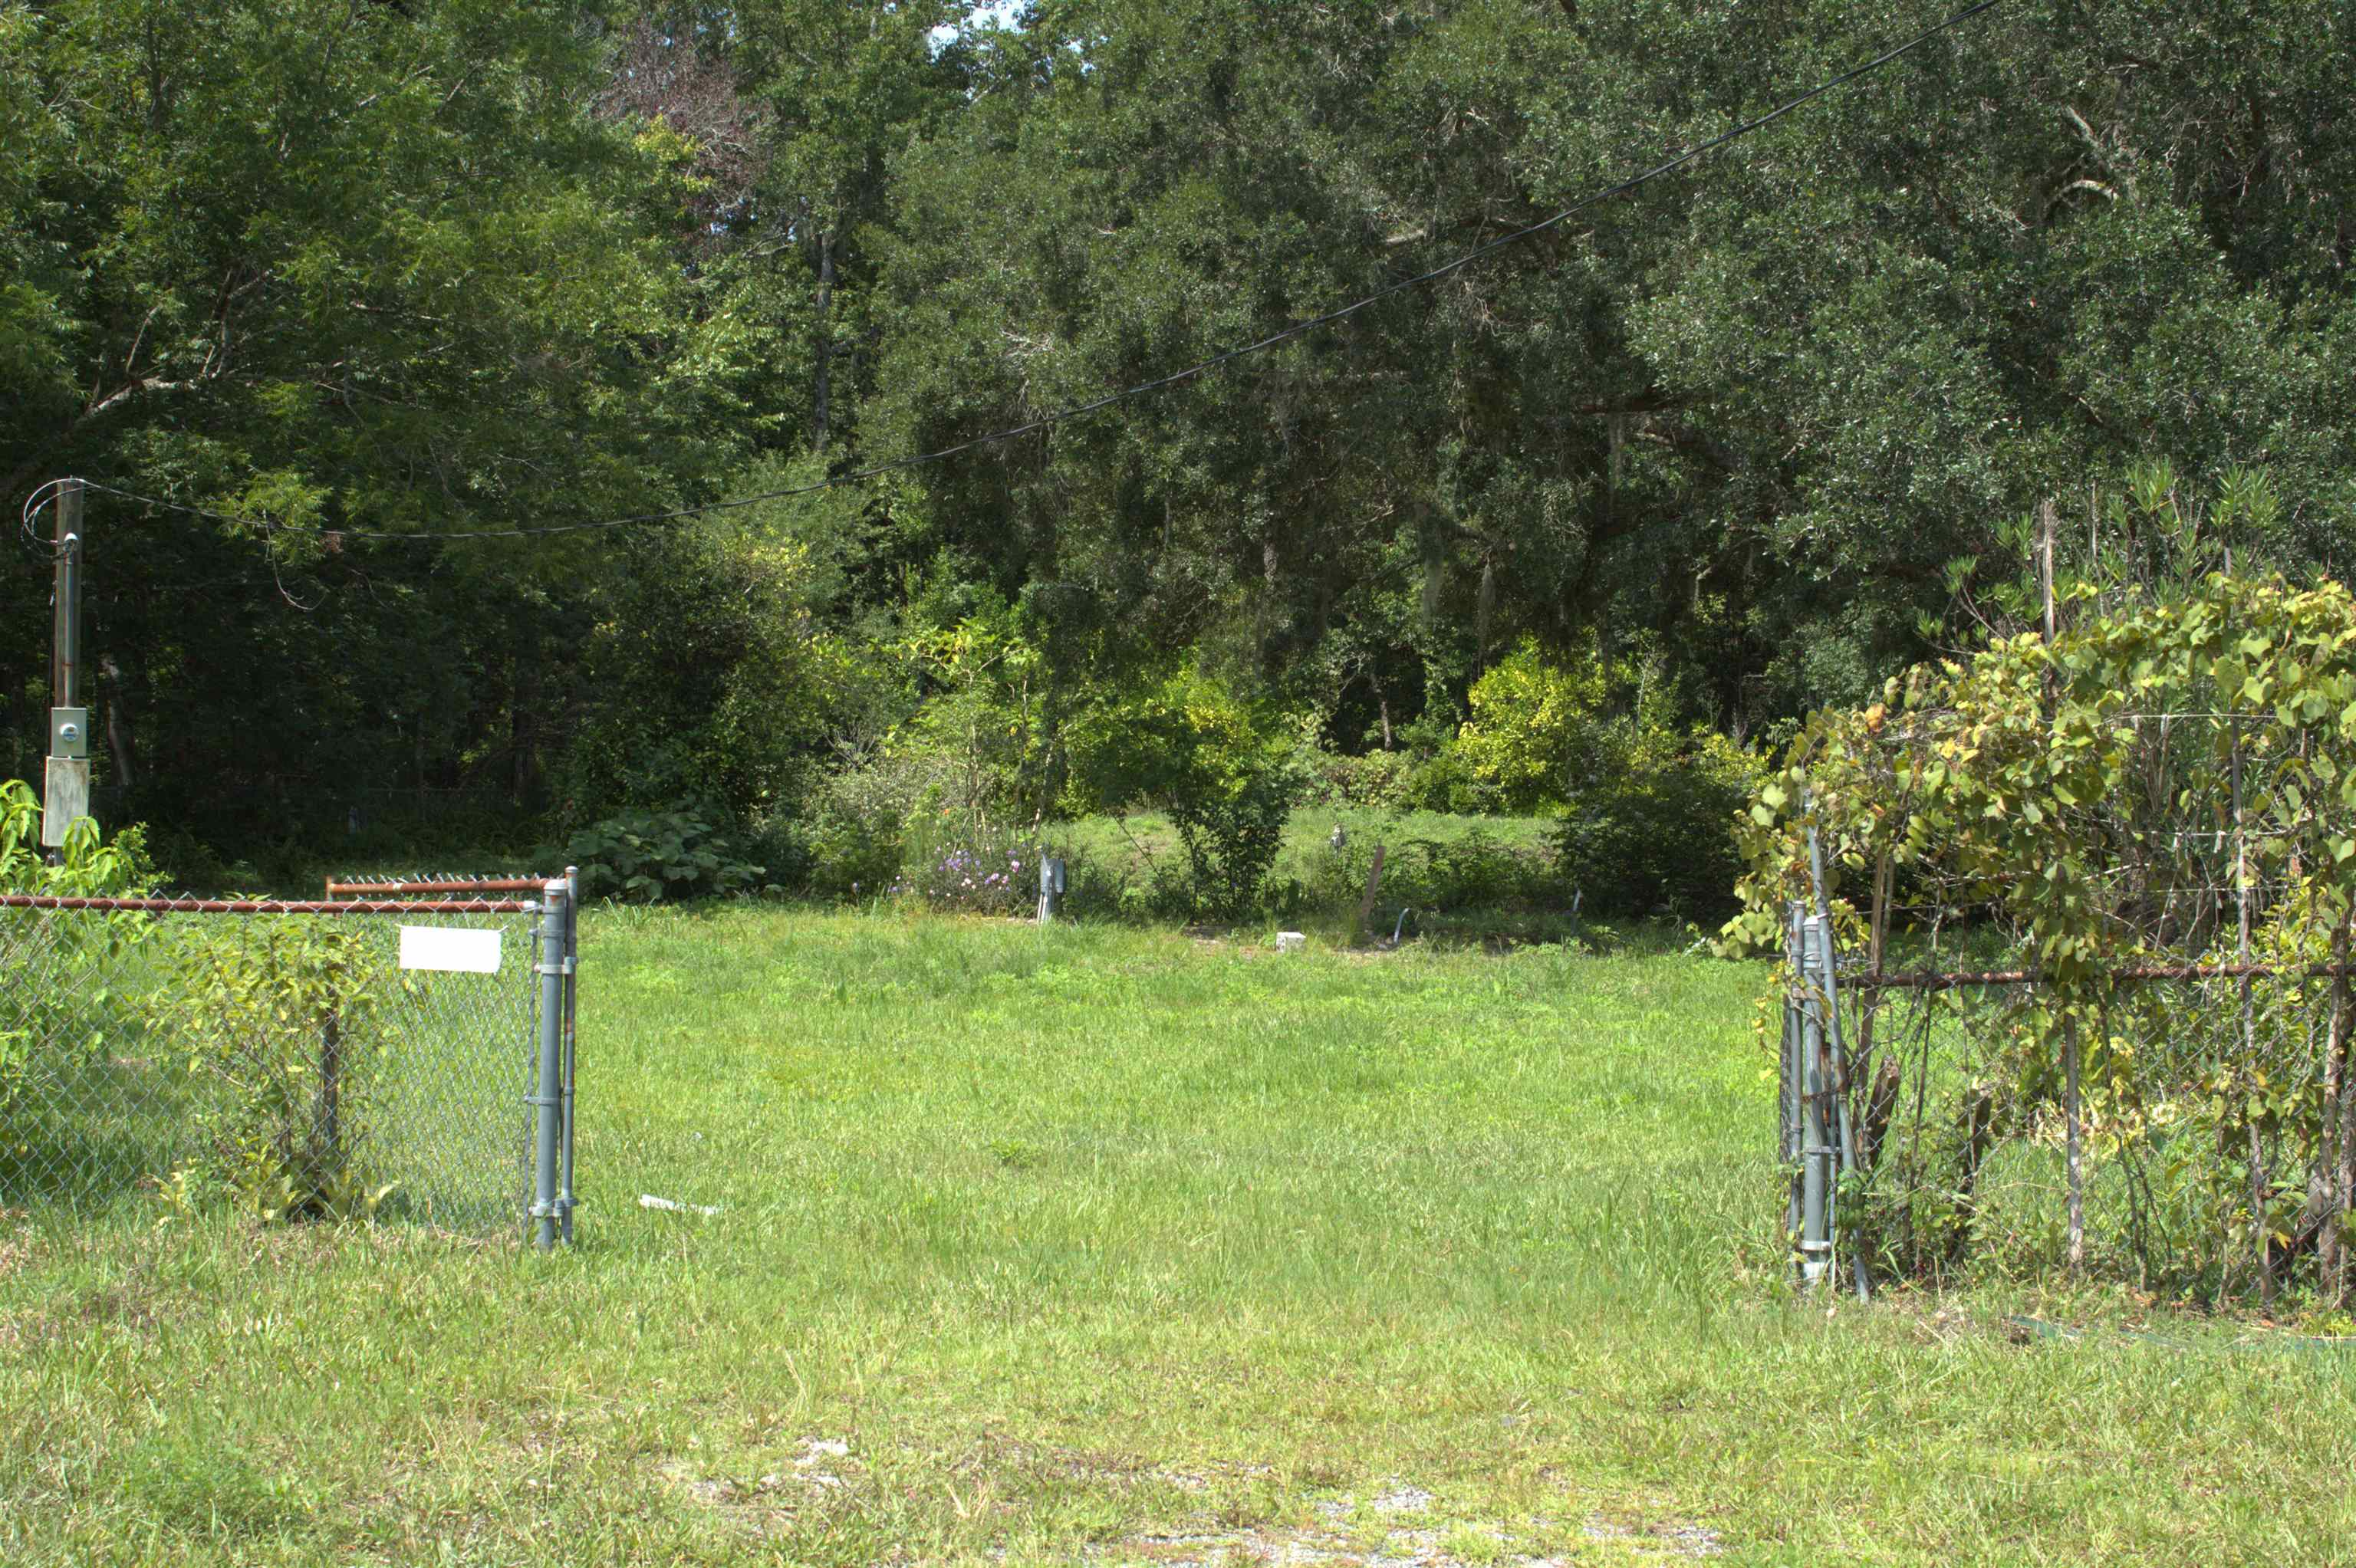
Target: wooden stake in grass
(1373,885)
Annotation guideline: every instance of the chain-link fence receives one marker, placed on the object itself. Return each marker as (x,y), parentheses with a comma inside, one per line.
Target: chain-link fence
(2116,1042)
(299,1059)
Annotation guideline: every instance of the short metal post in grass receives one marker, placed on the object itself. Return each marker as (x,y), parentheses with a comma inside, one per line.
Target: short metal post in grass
(547,1082)
(1051,888)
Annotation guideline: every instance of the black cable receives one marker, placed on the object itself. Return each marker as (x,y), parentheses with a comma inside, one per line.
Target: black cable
(1158,383)
(43,495)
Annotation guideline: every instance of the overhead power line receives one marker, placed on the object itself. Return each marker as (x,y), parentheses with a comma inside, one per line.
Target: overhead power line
(1160,383)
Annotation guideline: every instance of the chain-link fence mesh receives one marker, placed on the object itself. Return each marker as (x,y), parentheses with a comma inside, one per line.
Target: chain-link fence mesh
(281,1056)
(2127,1050)
(2201,1152)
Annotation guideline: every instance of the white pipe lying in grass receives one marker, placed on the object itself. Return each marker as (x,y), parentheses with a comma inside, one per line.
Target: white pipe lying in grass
(648,1200)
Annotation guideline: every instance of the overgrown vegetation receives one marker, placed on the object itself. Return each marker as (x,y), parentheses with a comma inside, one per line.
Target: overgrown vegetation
(643,857)
(50,1005)
(2167,783)
(1704,463)
(277,1016)
(1189,747)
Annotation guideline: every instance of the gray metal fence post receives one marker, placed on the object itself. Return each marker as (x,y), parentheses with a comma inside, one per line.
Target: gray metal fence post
(1789,1141)
(547,1082)
(566,1199)
(1816,1142)
(1836,1058)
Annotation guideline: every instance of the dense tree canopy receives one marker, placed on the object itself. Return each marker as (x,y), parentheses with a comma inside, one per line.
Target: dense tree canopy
(445,266)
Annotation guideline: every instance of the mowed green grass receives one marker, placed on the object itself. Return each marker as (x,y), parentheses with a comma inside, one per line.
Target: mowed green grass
(1109,1245)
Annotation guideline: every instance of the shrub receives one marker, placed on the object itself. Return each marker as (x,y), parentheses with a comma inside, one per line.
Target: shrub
(70,1013)
(1537,727)
(907,806)
(1192,748)
(1472,869)
(1652,830)
(279,1013)
(707,673)
(1648,808)
(89,866)
(2101,808)
(1378,780)
(648,856)
(854,829)
(999,879)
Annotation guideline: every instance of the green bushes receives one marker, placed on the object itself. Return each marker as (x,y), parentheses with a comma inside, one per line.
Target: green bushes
(646,856)
(1652,830)
(1647,806)
(1428,870)
(89,866)
(1381,781)
(856,827)
(1537,732)
(708,676)
(995,751)
(1191,747)
(2130,810)
(69,1015)
(279,1016)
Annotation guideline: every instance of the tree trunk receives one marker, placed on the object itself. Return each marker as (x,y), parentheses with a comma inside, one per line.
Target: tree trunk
(822,394)
(1483,607)
(521,731)
(118,726)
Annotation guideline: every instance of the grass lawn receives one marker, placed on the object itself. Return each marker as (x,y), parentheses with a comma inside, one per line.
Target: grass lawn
(1104,1244)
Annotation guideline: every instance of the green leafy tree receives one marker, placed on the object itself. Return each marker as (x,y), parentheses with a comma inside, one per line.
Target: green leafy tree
(1189,746)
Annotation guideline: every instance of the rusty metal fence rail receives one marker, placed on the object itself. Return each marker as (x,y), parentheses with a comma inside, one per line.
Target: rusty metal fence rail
(405,1057)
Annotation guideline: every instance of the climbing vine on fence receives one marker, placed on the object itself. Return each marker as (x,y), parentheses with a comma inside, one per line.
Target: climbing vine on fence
(2148,824)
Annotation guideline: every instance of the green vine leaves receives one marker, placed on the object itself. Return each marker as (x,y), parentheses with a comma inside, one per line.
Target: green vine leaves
(2170,781)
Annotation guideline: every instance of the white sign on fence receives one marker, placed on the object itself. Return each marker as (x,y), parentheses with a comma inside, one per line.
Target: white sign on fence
(440,948)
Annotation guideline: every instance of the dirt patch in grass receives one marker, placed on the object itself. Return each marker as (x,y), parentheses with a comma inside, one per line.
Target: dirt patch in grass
(1401,1528)
(814,1479)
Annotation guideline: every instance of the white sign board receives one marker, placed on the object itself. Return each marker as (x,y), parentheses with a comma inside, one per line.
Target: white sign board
(440,948)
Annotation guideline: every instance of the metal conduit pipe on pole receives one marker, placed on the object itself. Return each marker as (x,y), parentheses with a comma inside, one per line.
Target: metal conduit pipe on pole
(547,1098)
(65,784)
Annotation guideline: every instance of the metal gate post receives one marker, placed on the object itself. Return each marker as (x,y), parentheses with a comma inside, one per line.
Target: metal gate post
(547,1083)
(1824,999)
(565,1199)
(1816,1142)
(1789,1089)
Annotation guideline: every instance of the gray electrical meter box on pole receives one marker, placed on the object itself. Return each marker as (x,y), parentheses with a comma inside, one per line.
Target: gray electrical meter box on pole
(1051,886)
(69,732)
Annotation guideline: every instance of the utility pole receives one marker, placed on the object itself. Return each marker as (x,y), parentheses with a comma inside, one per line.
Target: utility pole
(65,797)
